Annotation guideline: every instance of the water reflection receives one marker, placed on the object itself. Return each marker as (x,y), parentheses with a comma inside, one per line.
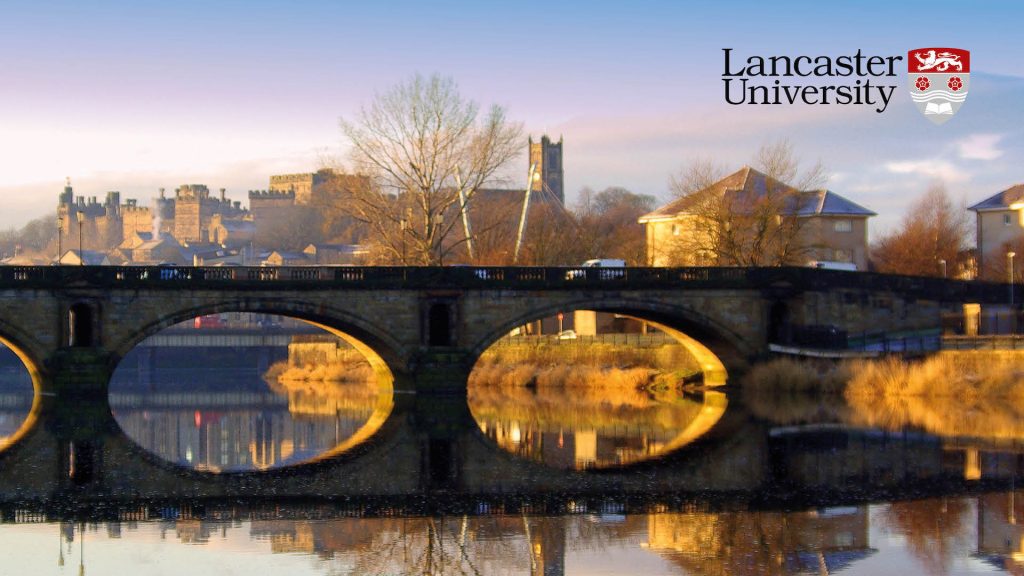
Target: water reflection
(244,392)
(254,430)
(953,535)
(580,428)
(16,396)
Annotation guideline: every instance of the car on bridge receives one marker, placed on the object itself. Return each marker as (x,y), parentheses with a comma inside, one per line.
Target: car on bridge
(613,263)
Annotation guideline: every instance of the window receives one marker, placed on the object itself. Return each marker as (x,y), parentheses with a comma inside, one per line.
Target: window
(1006,219)
(842,226)
(676,229)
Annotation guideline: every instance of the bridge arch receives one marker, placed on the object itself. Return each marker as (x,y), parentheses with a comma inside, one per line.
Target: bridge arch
(385,355)
(716,348)
(19,345)
(380,351)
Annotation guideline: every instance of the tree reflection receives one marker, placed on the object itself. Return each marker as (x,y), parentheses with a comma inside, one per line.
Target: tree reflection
(936,531)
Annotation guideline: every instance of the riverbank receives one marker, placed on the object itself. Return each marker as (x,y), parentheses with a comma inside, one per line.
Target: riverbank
(961,374)
(592,365)
(953,393)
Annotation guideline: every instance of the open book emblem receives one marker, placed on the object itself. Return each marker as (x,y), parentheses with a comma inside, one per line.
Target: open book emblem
(938,81)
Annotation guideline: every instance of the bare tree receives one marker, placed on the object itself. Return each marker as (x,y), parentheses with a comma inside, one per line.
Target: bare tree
(425,155)
(607,224)
(934,231)
(748,218)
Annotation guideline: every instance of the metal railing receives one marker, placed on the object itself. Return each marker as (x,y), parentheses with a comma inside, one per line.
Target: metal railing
(776,279)
(635,340)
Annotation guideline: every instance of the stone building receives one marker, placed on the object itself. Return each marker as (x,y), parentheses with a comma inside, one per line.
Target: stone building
(189,217)
(306,186)
(194,210)
(833,229)
(546,156)
(1000,231)
(97,226)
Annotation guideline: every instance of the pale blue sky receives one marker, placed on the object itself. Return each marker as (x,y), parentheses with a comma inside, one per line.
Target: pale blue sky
(133,96)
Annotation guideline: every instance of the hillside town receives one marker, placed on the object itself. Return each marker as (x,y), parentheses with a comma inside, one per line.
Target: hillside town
(304,220)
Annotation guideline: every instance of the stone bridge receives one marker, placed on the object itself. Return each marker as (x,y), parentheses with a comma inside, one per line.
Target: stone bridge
(424,328)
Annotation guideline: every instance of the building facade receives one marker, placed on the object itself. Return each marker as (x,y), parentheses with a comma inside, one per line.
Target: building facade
(1000,232)
(827,227)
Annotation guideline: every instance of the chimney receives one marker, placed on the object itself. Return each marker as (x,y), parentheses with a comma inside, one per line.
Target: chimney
(223,194)
(162,194)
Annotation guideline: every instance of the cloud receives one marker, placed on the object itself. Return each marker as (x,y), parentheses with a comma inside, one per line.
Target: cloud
(931,169)
(980,147)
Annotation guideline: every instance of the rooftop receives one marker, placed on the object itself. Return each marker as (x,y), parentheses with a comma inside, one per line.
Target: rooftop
(750,183)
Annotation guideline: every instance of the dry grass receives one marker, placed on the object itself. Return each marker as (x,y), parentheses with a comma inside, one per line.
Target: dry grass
(589,365)
(787,375)
(964,376)
(581,408)
(668,356)
(953,394)
(356,371)
(560,376)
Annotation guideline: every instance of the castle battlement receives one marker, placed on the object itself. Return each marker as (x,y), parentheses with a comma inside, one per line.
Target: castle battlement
(272,194)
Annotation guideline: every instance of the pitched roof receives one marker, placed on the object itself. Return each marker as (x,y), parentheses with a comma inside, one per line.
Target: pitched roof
(831,204)
(1001,200)
(750,183)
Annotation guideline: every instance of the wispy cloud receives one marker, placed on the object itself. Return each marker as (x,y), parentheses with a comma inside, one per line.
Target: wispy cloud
(980,147)
(931,169)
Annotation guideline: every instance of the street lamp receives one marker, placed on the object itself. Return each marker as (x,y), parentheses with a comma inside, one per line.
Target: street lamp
(1009,258)
(942,265)
(81,257)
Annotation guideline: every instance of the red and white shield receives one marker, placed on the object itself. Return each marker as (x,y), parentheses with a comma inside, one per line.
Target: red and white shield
(939,78)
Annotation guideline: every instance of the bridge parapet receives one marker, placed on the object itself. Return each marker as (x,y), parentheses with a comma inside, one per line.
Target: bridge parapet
(510,278)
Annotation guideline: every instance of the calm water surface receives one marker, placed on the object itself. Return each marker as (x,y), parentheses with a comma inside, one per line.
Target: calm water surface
(736,486)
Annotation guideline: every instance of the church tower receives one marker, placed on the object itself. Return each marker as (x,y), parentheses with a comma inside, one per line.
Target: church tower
(547,157)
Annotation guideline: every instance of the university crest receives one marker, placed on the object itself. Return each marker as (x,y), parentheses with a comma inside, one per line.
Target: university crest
(939,81)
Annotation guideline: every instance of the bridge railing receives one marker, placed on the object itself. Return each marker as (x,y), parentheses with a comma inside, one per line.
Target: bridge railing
(792,278)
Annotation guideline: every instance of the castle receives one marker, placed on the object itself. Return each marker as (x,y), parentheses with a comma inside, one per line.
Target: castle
(194,221)
(192,216)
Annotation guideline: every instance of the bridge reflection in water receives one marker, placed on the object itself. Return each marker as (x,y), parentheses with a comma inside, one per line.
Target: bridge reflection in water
(526,480)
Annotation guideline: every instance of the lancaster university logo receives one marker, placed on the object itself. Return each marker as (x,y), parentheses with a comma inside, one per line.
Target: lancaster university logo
(939,81)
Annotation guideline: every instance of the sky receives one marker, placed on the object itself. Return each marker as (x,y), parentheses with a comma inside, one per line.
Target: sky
(137,95)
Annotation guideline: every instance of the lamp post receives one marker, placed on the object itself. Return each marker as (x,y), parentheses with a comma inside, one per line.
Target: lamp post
(942,265)
(81,257)
(1009,259)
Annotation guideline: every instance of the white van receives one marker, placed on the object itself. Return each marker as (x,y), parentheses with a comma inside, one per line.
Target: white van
(599,263)
(829,265)
(604,263)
